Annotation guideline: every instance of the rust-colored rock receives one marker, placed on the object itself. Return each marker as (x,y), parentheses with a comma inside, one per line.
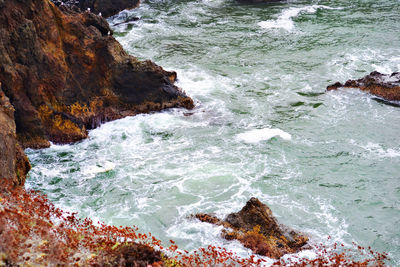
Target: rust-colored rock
(14,164)
(106,7)
(386,86)
(256,228)
(65,74)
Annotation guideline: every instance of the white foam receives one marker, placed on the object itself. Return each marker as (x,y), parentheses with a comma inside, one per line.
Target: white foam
(257,135)
(284,20)
(91,171)
(378,150)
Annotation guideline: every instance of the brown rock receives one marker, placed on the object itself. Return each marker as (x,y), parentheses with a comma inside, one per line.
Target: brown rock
(208,218)
(386,86)
(256,228)
(65,74)
(14,164)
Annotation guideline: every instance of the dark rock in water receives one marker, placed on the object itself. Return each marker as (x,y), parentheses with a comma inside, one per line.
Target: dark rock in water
(386,86)
(64,74)
(107,8)
(126,20)
(14,164)
(256,228)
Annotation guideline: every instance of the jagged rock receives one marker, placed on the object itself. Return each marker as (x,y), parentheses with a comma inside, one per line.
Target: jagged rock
(256,228)
(14,164)
(106,7)
(386,86)
(65,74)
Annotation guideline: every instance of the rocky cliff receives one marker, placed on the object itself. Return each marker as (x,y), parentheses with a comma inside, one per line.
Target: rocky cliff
(64,73)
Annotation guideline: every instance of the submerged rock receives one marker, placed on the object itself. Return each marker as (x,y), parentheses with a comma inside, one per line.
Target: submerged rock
(386,86)
(106,8)
(14,164)
(65,74)
(257,229)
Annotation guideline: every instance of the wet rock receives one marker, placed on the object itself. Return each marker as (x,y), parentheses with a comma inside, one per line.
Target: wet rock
(64,74)
(257,229)
(14,164)
(386,86)
(107,8)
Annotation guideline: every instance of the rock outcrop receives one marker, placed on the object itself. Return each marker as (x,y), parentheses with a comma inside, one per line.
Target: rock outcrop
(107,8)
(14,164)
(64,73)
(386,86)
(257,229)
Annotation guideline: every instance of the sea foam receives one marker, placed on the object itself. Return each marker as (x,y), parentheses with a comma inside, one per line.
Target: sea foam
(284,20)
(92,170)
(257,135)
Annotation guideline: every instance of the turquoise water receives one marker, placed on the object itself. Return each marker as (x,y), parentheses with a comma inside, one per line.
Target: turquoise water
(327,163)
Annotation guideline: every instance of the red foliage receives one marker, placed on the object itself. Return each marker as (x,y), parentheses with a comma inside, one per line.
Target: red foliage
(34,232)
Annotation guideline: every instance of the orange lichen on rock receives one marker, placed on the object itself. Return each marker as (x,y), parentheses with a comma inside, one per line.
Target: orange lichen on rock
(82,110)
(66,126)
(260,244)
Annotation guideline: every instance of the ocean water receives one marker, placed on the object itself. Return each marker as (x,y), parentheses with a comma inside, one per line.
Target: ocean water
(327,163)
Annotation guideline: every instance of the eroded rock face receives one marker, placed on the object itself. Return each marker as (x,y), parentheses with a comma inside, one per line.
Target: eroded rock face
(386,86)
(106,7)
(65,74)
(256,228)
(14,164)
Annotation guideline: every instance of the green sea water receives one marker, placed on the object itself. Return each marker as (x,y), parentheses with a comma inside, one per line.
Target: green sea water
(327,163)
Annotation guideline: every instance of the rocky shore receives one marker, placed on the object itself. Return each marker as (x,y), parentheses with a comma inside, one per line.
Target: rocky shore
(62,73)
